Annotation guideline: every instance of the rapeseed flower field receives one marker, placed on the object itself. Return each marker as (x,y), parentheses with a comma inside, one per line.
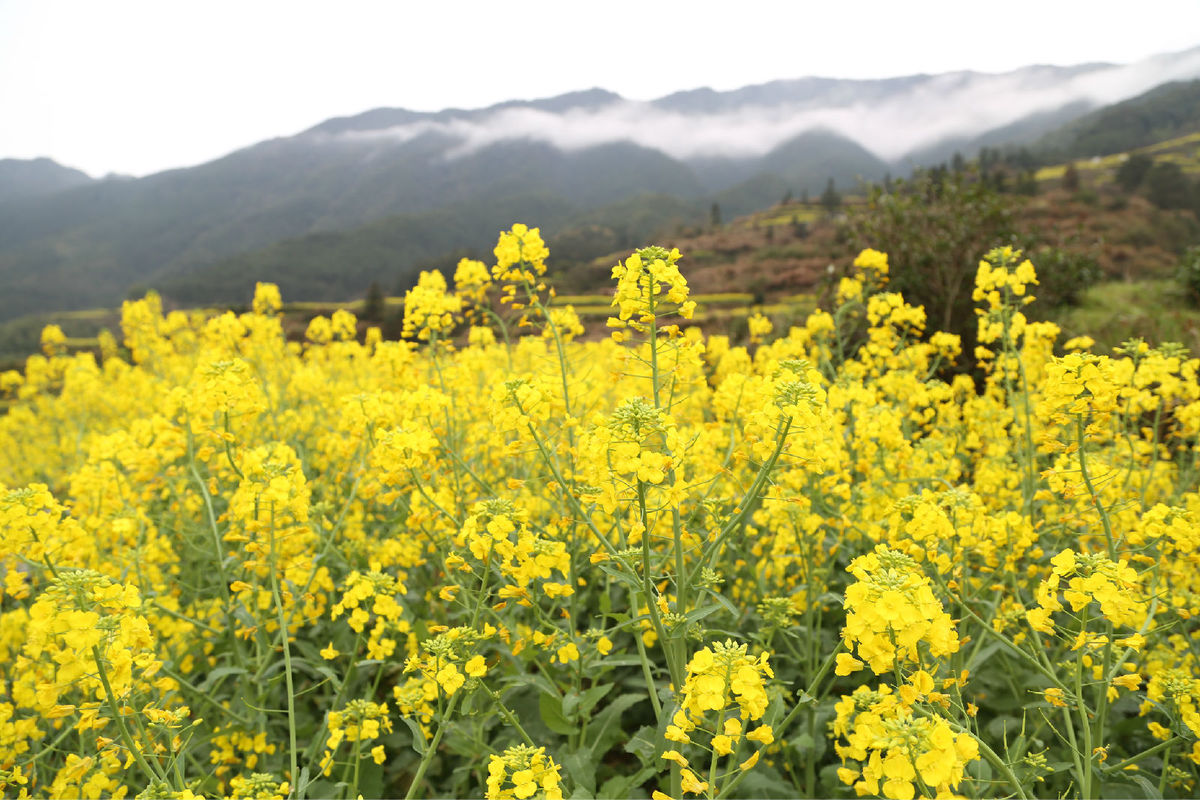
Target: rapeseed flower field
(497,560)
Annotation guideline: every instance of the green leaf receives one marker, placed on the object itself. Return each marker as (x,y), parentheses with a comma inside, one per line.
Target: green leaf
(582,770)
(644,745)
(601,732)
(550,708)
(984,654)
(219,673)
(724,601)
(611,662)
(589,699)
(1149,788)
(697,614)
(536,679)
(619,575)
(418,736)
(620,786)
(302,782)
(570,702)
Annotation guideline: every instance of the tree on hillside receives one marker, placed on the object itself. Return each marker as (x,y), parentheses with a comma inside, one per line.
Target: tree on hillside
(1188,273)
(1133,171)
(374,305)
(714,215)
(1027,183)
(934,230)
(1167,186)
(799,229)
(1070,178)
(830,199)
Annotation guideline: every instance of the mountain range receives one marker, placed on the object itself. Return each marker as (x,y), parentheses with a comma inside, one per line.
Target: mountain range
(378,195)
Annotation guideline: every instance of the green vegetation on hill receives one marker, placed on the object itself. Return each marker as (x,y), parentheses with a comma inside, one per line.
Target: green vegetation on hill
(1166,112)
(1156,310)
(1100,231)
(341,264)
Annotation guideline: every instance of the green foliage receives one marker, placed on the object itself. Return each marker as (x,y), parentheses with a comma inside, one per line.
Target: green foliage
(1070,178)
(830,199)
(336,265)
(1167,186)
(1113,312)
(1162,113)
(1027,183)
(1132,172)
(1063,276)
(374,306)
(1188,273)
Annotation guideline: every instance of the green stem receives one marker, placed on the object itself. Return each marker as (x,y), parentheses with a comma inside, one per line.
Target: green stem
(431,748)
(649,591)
(1085,779)
(743,510)
(508,715)
(1119,767)
(651,686)
(1087,480)
(122,727)
(287,655)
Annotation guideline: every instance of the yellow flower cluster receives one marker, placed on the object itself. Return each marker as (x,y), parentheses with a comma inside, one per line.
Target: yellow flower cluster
(1115,587)
(85,639)
(520,261)
(724,692)
(759,328)
(471,280)
(635,445)
(873,265)
(497,537)
(523,771)
(902,751)
(360,723)
(445,662)
(1079,386)
(891,610)
(381,590)
(267,300)
(259,786)
(1003,270)
(429,309)
(649,285)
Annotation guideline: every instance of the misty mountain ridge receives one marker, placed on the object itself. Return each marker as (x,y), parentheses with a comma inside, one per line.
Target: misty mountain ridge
(87,243)
(896,119)
(25,178)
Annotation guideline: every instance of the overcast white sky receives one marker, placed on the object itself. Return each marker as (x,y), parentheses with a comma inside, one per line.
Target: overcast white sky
(136,87)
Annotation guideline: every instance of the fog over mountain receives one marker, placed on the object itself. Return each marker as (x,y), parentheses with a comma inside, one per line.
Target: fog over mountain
(891,118)
(419,184)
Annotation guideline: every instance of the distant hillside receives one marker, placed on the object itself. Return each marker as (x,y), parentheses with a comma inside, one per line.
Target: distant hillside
(411,182)
(777,261)
(1024,131)
(23,179)
(1165,112)
(339,265)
